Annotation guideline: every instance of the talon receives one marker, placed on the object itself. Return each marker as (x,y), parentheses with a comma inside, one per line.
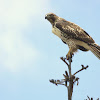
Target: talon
(68,56)
(72,54)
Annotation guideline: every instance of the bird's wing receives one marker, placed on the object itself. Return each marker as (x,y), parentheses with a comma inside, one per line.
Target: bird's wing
(73,31)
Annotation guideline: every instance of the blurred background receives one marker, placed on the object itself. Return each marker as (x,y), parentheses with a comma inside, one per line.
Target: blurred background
(30,53)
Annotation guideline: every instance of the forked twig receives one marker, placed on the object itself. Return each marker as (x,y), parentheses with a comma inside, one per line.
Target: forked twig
(81,69)
(90,98)
(64,60)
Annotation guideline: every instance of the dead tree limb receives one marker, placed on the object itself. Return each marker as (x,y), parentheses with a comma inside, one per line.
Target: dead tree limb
(69,78)
(90,98)
(81,69)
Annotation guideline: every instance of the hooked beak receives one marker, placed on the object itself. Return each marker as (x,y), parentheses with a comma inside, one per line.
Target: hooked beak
(45,17)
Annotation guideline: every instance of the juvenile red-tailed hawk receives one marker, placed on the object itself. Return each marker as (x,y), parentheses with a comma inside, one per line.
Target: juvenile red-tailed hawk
(72,35)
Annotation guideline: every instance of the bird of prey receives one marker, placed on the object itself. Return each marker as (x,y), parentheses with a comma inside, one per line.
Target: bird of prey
(72,35)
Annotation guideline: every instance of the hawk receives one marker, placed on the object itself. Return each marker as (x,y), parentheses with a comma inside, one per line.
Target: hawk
(72,35)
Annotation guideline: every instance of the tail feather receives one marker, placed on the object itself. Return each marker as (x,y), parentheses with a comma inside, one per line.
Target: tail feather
(95,49)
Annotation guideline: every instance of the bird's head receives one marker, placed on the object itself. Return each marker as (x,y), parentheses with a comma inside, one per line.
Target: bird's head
(51,17)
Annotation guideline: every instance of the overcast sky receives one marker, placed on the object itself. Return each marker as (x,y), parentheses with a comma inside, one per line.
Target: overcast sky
(30,53)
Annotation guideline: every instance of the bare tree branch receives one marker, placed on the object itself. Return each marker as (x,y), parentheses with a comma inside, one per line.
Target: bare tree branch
(81,69)
(70,87)
(69,78)
(90,98)
(64,60)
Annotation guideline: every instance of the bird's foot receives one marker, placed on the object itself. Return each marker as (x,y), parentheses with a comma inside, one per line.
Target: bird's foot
(69,55)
